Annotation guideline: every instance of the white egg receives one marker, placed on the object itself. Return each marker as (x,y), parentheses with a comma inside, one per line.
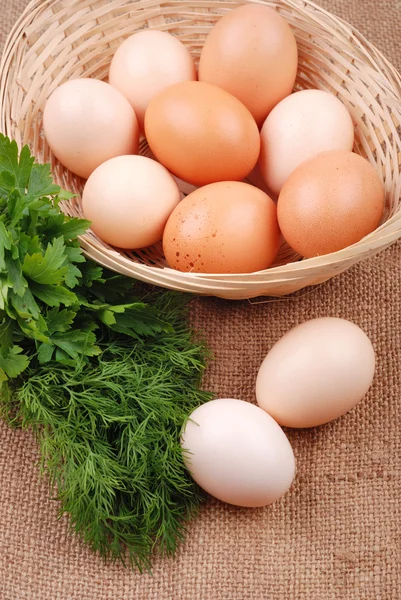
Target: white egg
(238,453)
(86,122)
(148,62)
(128,200)
(316,372)
(298,128)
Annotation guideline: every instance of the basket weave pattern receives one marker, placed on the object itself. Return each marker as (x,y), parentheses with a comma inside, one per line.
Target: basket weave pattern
(56,40)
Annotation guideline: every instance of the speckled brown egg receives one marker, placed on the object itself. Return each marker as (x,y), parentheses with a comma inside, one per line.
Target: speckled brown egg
(330,202)
(224,227)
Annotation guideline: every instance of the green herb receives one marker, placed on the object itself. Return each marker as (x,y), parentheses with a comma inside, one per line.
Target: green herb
(105,377)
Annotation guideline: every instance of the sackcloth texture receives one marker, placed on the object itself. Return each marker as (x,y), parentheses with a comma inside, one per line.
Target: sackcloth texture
(335,536)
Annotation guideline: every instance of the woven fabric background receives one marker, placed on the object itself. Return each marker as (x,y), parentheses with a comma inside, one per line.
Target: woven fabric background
(335,536)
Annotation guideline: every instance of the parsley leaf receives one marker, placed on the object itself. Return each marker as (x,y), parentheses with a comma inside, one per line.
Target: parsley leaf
(6,334)
(19,168)
(12,363)
(54,295)
(40,182)
(59,320)
(14,272)
(5,244)
(24,306)
(48,267)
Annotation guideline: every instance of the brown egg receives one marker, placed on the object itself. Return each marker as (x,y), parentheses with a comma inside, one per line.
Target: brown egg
(201,133)
(251,52)
(330,202)
(225,227)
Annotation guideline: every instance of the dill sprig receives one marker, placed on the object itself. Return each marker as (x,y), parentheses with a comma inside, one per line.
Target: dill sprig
(109,432)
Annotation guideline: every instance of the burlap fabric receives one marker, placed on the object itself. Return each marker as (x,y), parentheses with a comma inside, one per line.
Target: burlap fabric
(335,536)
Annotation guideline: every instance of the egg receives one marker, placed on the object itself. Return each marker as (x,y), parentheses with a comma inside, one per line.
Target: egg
(224,227)
(86,122)
(301,126)
(330,202)
(128,200)
(202,134)
(146,63)
(316,372)
(237,453)
(251,52)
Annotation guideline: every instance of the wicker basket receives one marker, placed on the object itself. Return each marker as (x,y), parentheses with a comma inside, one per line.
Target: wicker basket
(55,40)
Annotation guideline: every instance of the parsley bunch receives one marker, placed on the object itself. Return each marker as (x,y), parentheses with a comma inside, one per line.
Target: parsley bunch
(104,376)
